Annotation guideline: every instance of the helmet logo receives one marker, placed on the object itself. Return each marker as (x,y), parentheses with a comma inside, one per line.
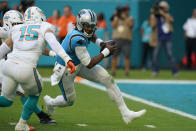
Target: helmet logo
(82,12)
(6,17)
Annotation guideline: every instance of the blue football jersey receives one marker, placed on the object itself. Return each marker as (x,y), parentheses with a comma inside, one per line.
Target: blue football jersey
(72,40)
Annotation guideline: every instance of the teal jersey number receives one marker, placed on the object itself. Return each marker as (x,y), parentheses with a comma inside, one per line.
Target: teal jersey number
(31,33)
(22,29)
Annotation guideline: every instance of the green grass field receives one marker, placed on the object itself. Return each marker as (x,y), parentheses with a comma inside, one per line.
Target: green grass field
(94,108)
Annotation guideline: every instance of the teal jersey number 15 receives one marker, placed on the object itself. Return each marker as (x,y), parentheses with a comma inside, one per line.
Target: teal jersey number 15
(29,32)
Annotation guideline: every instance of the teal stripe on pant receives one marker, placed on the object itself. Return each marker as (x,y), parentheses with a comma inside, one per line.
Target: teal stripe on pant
(39,86)
(29,107)
(62,90)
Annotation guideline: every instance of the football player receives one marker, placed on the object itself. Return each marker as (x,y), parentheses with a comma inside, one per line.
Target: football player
(10,19)
(27,42)
(75,44)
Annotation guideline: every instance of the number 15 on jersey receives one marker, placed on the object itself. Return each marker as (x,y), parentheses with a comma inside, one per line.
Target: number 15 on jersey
(29,32)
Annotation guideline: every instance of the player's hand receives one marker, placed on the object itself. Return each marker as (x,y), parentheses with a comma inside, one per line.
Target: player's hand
(112,48)
(111,45)
(71,66)
(52,53)
(102,45)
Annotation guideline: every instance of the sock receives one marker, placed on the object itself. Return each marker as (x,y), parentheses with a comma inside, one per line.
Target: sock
(29,107)
(115,95)
(22,121)
(4,102)
(24,99)
(41,114)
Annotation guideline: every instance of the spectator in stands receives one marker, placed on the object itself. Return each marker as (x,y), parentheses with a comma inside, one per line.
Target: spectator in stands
(101,23)
(122,24)
(15,7)
(24,4)
(190,36)
(66,22)
(3,8)
(146,32)
(163,22)
(54,19)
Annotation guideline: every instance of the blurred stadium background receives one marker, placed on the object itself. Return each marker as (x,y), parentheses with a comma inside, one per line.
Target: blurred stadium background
(140,10)
(170,101)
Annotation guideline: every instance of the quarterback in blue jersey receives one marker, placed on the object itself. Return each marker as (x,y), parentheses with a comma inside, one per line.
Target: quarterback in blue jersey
(75,44)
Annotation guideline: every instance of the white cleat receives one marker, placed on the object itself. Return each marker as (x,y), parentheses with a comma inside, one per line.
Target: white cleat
(23,127)
(49,107)
(131,115)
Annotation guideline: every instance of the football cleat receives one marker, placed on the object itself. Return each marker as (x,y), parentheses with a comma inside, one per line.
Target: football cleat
(24,127)
(31,128)
(49,107)
(45,119)
(131,115)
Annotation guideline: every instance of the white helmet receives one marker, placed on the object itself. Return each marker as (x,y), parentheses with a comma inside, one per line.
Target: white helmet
(34,14)
(86,22)
(11,18)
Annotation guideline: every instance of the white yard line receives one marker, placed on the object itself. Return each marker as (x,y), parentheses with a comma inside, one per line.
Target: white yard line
(150,103)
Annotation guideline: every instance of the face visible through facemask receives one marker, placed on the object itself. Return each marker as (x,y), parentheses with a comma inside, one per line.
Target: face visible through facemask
(89,29)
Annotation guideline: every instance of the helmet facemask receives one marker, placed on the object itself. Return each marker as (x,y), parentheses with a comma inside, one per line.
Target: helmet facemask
(88,29)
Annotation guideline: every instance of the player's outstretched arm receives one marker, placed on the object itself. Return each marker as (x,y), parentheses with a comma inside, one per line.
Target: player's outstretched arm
(6,47)
(57,48)
(84,57)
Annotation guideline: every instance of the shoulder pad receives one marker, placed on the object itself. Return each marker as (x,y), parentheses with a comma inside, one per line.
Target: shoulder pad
(80,39)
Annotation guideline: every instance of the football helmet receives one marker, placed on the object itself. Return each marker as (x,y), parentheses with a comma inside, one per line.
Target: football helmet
(34,14)
(86,22)
(11,18)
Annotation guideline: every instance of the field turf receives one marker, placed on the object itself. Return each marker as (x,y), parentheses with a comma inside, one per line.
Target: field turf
(94,108)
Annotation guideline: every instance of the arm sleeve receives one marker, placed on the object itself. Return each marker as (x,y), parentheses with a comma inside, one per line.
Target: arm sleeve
(56,47)
(83,55)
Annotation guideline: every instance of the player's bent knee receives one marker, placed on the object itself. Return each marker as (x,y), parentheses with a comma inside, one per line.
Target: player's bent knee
(103,76)
(71,99)
(108,80)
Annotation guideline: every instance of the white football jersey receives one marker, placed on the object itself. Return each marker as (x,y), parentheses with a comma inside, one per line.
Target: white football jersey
(28,42)
(4,33)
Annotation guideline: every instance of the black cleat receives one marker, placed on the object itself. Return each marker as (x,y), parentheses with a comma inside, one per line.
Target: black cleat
(45,118)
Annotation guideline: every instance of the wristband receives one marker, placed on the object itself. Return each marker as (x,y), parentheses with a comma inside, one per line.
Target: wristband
(98,41)
(105,52)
